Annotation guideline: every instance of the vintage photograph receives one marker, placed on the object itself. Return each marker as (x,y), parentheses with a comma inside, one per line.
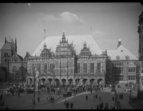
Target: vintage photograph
(71,56)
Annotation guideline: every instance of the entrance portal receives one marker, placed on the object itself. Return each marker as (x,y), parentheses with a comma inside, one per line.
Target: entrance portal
(99,81)
(63,81)
(70,82)
(84,81)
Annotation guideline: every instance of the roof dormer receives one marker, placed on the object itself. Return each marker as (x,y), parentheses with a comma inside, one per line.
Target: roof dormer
(85,51)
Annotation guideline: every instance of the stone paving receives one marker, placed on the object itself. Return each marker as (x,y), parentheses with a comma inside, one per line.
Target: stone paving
(25,102)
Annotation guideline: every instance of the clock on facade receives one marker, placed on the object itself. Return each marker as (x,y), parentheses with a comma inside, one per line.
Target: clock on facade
(9,39)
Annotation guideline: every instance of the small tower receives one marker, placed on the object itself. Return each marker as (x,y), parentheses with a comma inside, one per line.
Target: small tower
(63,37)
(45,46)
(119,43)
(84,45)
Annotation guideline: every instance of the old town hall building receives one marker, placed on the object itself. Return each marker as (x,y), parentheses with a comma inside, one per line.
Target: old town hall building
(68,60)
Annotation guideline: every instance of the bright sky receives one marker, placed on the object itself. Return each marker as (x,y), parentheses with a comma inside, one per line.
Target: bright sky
(108,22)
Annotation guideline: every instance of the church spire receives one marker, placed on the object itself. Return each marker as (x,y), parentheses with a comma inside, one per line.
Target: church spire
(15,45)
(63,37)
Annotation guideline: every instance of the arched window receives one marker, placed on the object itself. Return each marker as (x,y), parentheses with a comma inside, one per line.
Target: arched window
(14,69)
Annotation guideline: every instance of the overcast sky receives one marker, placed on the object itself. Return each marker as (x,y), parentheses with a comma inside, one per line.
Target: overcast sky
(106,22)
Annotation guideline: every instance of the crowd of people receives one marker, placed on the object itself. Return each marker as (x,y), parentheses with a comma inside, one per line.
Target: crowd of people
(17,88)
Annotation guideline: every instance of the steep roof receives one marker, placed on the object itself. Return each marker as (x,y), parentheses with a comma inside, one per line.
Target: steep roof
(27,55)
(122,52)
(16,57)
(77,40)
(7,46)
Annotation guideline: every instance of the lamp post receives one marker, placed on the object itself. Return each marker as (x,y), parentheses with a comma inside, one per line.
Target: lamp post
(34,84)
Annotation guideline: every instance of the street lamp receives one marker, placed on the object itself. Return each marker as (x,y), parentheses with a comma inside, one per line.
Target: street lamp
(33,67)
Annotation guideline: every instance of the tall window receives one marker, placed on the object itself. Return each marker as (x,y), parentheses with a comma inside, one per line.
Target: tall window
(91,67)
(52,68)
(6,54)
(131,70)
(45,68)
(14,69)
(78,67)
(98,67)
(39,67)
(84,67)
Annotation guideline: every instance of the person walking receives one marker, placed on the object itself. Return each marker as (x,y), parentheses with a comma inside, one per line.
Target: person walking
(53,99)
(113,98)
(71,105)
(101,106)
(38,99)
(86,97)
(67,105)
(96,96)
(6,108)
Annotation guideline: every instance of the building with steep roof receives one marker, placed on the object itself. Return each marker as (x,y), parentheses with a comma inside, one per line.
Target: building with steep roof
(121,65)
(67,60)
(12,64)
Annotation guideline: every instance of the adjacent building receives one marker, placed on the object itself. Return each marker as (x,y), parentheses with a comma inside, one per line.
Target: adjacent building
(121,65)
(13,66)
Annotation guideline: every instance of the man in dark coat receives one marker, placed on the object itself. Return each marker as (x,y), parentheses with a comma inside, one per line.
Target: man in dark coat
(71,105)
(67,105)
(86,97)
(38,99)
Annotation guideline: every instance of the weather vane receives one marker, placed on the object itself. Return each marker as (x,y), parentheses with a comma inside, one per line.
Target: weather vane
(45,33)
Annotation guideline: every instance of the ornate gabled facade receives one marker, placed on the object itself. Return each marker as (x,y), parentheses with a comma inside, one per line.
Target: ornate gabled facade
(70,62)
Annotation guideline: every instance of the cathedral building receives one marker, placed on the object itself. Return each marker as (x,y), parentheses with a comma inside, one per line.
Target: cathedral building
(67,60)
(13,67)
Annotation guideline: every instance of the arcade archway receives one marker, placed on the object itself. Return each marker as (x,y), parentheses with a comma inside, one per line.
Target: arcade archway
(50,81)
(84,81)
(91,81)
(70,81)
(29,81)
(99,81)
(63,81)
(43,80)
(57,82)
(77,81)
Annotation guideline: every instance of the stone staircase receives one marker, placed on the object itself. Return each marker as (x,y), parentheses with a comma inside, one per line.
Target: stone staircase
(137,104)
